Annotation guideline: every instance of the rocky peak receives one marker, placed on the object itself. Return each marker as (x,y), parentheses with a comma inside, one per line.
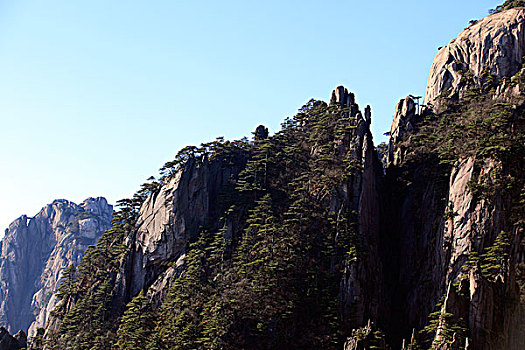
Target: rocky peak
(9,342)
(494,45)
(35,251)
(404,115)
(341,96)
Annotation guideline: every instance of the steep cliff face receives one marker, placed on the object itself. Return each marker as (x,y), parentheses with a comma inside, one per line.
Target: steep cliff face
(493,46)
(169,220)
(448,230)
(36,250)
(220,197)
(362,289)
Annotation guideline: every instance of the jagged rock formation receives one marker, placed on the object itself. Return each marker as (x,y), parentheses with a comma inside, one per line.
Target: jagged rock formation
(361,289)
(35,251)
(9,342)
(494,45)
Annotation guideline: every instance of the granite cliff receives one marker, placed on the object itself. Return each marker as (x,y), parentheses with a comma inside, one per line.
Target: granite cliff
(489,49)
(36,250)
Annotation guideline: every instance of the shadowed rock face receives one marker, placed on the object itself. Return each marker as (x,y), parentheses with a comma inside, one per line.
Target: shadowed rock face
(495,44)
(9,342)
(35,251)
(167,221)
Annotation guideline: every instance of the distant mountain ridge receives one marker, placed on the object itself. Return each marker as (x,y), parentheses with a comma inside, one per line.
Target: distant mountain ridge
(35,251)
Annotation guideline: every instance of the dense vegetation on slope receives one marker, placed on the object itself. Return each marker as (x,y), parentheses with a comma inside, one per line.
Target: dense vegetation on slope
(275,283)
(483,126)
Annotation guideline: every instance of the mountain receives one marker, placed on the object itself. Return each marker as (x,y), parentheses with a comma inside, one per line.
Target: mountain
(312,238)
(455,206)
(36,250)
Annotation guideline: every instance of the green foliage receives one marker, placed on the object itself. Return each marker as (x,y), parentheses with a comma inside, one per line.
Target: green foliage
(489,131)
(493,260)
(446,323)
(229,151)
(508,5)
(367,338)
(280,274)
(67,288)
(84,311)
(180,326)
(136,325)
(480,127)
(265,270)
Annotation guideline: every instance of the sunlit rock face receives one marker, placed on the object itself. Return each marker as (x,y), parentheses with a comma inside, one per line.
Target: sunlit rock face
(35,251)
(494,45)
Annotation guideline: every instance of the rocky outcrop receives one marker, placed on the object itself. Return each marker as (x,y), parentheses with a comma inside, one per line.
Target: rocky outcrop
(366,337)
(168,221)
(404,116)
(494,45)
(35,251)
(361,286)
(9,342)
(342,97)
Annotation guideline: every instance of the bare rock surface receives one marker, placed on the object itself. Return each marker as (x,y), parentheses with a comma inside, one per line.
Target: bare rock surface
(494,44)
(35,251)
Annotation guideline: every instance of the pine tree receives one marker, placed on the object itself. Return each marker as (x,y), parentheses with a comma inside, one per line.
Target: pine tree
(136,325)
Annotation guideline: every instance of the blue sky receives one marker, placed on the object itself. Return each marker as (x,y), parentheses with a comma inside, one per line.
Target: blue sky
(96,95)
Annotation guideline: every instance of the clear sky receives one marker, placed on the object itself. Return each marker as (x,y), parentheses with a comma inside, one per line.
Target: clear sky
(96,95)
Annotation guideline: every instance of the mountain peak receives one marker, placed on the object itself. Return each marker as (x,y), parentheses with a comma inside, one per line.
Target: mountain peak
(492,46)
